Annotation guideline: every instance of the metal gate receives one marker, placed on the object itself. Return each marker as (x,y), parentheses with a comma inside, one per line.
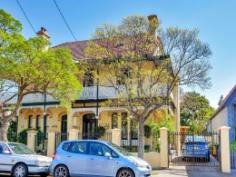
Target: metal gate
(186,149)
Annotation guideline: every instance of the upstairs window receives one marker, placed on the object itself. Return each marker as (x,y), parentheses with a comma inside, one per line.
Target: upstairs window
(88,79)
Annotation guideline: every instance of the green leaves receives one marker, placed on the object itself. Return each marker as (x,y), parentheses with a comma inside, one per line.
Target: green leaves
(195,112)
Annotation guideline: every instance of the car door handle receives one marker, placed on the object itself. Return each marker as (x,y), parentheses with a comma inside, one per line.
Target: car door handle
(91,158)
(69,156)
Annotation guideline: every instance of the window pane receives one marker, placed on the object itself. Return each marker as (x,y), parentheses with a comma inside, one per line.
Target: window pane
(30,123)
(114,120)
(134,129)
(79,147)
(38,121)
(124,129)
(99,149)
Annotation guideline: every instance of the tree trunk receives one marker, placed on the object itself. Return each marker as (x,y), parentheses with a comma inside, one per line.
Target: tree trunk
(141,139)
(4,129)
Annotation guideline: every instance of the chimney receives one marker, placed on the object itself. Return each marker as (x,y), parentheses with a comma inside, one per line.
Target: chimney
(153,24)
(43,33)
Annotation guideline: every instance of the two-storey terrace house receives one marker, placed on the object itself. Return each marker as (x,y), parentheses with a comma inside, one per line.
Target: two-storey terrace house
(39,111)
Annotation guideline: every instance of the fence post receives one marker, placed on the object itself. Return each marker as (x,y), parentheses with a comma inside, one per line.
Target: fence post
(225,149)
(73,134)
(31,136)
(116,136)
(51,143)
(164,147)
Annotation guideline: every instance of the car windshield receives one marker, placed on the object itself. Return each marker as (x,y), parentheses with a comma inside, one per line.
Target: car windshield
(120,149)
(20,148)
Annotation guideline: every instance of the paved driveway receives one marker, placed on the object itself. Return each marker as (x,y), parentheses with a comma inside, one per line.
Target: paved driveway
(182,171)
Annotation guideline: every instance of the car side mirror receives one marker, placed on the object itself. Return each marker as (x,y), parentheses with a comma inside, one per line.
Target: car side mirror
(108,155)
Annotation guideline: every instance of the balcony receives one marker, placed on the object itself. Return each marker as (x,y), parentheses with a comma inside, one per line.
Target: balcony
(90,93)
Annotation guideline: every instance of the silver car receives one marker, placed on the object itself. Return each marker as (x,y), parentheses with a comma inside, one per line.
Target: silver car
(96,158)
(18,160)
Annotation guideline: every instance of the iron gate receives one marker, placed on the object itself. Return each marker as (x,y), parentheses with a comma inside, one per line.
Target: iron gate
(186,149)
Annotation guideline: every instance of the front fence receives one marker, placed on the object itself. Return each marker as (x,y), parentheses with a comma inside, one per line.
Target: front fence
(194,149)
(151,143)
(233,159)
(40,144)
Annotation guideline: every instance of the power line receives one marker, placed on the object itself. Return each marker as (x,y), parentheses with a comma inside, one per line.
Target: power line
(26,17)
(64,19)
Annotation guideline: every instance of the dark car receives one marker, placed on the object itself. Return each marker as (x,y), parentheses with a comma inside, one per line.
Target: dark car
(196,147)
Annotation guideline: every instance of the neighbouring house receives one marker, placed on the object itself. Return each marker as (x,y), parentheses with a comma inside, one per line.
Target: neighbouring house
(225,115)
(88,113)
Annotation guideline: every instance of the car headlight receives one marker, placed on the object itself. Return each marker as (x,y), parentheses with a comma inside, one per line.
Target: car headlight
(139,164)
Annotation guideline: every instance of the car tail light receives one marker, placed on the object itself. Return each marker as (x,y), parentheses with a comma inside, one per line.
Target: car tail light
(54,156)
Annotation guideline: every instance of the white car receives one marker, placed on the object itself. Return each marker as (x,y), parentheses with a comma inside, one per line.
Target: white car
(18,160)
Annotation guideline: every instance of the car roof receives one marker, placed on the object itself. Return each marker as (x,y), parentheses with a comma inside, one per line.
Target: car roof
(86,140)
(195,138)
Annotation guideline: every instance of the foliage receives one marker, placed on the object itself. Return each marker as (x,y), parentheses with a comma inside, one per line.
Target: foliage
(22,136)
(137,64)
(233,146)
(100,131)
(195,111)
(27,66)
(12,133)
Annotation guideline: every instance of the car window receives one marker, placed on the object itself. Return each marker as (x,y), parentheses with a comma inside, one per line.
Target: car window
(4,149)
(66,146)
(78,147)
(99,149)
(20,148)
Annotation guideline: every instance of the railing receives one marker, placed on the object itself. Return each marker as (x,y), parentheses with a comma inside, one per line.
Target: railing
(233,159)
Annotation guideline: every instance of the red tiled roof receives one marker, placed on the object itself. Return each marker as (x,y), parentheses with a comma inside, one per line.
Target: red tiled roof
(77,48)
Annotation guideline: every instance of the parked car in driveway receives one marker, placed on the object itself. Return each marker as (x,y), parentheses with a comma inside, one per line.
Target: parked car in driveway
(18,160)
(96,158)
(196,147)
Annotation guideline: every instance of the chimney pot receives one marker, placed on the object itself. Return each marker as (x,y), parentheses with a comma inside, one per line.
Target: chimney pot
(43,33)
(153,24)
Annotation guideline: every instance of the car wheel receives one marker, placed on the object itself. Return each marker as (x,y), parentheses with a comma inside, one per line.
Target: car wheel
(61,171)
(20,170)
(125,172)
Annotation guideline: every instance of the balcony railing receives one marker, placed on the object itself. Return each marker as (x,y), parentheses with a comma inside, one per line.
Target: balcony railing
(90,93)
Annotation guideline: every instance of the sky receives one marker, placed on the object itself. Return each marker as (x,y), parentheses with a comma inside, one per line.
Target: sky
(216,20)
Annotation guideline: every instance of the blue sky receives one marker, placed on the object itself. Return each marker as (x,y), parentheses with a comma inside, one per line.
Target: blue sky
(214,18)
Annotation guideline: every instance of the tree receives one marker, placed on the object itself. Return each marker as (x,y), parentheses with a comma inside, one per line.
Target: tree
(145,69)
(27,67)
(195,112)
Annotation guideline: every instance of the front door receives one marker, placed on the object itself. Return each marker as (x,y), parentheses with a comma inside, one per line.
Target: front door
(64,127)
(90,124)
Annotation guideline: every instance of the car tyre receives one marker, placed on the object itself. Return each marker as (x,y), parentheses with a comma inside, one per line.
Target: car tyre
(125,172)
(61,171)
(20,170)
